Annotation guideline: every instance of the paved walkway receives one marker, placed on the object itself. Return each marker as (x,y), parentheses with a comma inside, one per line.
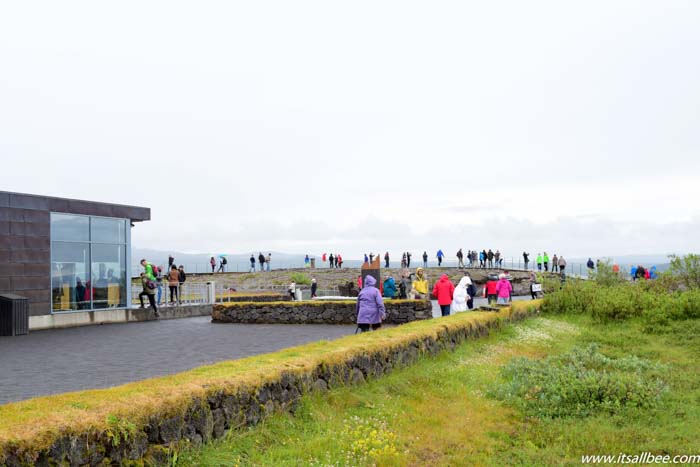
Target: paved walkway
(62,360)
(55,361)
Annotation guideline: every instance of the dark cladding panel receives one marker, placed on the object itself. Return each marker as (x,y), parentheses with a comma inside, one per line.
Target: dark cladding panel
(4,200)
(39,308)
(58,205)
(11,242)
(37,243)
(37,229)
(11,214)
(133,213)
(89,209)
(31,215)
(29,201)
(36,270)
(21,283)
(30,256)
(18,228)
(14,269)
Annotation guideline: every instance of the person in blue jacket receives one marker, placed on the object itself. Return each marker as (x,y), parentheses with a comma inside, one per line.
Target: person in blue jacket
(440,255)
(389,287)
(652,273)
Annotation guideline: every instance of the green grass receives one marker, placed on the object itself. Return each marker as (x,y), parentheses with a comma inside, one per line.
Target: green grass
(439,411)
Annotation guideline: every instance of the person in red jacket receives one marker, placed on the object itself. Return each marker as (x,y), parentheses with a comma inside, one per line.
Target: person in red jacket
(490,289)
(443,291)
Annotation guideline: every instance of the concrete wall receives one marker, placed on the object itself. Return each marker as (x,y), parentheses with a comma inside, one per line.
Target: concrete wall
(317,312)
(86,318)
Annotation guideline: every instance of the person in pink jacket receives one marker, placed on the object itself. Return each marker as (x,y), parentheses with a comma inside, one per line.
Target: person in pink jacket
(503,290)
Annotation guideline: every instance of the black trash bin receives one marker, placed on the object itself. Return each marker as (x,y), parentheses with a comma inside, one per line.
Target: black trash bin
(14,315)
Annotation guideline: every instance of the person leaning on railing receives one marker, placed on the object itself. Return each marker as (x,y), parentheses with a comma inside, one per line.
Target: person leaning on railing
(173,283)
(181,278)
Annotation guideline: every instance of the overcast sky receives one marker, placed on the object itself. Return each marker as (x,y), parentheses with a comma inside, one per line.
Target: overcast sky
(356,126)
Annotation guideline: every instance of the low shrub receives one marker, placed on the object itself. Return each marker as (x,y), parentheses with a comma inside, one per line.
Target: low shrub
(686,269)
(580,383)
(623,301)
(300,278)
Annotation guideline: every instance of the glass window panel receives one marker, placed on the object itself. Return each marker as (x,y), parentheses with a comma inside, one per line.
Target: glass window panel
(70,227)
(108,276)
(107,230)
(70,279)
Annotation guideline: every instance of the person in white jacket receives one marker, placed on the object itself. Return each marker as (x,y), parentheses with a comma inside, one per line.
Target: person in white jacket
(460,296)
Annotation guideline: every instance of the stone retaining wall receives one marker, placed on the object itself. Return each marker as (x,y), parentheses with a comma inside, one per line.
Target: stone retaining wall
(209,411)
(317,312)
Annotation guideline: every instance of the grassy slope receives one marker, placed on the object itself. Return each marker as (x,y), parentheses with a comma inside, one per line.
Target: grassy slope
(436,412)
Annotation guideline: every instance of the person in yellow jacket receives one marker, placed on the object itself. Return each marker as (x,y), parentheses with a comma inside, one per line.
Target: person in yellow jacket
(419,286)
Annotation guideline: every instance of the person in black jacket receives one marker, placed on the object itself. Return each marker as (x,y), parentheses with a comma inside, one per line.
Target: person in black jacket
(314,287)
(261,260)
(182,277)
(526,258)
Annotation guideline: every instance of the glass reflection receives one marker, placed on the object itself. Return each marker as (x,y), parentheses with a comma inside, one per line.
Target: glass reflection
(108,275)
(70,227)
(107,230)
(70,281)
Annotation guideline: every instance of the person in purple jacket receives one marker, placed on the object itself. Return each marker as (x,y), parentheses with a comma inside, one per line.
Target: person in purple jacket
(370,306)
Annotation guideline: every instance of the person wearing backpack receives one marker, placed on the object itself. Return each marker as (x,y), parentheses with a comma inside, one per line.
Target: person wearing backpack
(148,270)
(222,264)
(149,290)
